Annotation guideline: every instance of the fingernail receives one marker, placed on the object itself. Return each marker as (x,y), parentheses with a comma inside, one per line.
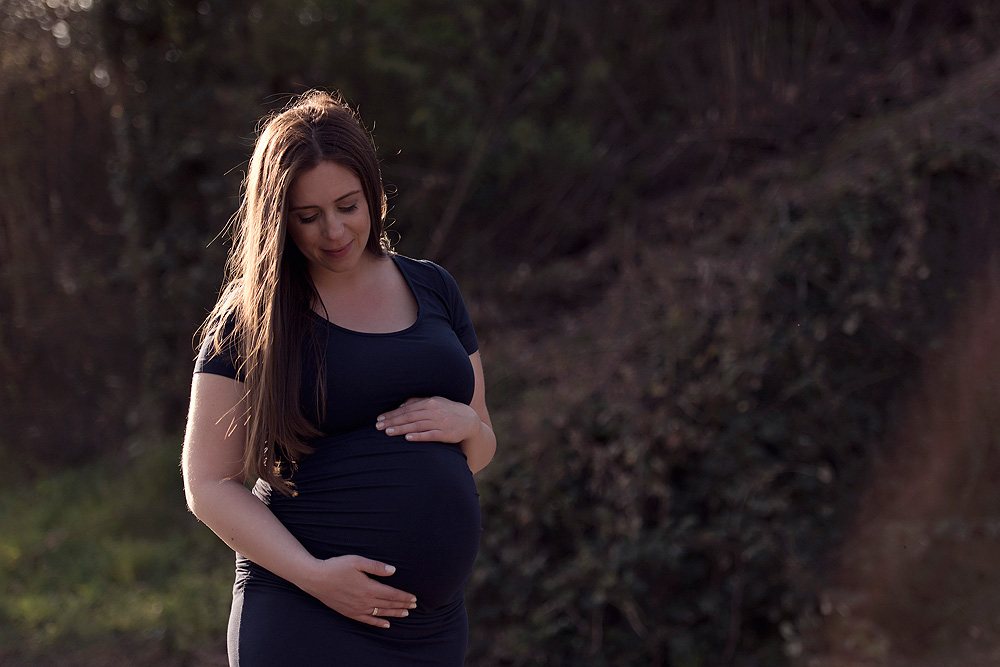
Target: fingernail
(390,569)
(405,613)
(385,625)
(413,605)
(390,431)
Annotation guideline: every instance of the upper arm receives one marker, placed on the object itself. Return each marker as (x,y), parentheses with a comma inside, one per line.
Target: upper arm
(479,396)
(215,440)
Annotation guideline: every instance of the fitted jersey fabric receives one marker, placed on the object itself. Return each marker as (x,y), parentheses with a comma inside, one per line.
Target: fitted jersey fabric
(412,505)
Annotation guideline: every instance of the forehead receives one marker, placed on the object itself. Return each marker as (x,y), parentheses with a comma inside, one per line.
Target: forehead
(326,182)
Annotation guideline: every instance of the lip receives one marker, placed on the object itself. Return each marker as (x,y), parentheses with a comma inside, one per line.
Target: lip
(339,252)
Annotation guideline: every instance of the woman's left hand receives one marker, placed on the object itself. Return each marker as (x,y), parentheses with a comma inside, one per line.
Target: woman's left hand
(433,419)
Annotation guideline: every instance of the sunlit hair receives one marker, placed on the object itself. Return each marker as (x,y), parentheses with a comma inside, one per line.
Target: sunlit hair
(263,310)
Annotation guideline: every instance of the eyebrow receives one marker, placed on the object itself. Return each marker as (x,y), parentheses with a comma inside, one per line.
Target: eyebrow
(349,194)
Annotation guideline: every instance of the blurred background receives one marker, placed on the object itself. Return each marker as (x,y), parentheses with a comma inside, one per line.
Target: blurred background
(733,265)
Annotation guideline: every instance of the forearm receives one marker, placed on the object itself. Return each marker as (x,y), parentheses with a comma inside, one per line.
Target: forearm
(480,448)
(244,523)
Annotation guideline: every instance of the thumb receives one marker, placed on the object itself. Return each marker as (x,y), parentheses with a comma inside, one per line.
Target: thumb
(377,568)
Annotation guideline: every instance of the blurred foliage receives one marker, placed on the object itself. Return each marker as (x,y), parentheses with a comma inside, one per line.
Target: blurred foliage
(707,247)
(108,551)
(700,413)
(67,361)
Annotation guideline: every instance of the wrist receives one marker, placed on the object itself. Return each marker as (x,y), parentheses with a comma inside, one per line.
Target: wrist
(475,429)
(307,573)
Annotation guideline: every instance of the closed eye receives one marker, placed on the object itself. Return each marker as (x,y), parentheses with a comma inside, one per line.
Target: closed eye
(348,209)
(308,218)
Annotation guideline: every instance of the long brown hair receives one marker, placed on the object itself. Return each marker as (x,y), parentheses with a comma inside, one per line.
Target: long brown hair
(262,311)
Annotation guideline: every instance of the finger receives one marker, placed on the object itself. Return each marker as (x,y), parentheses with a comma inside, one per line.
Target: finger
(406,418)
(434,435)
(390,419)
(411,401)
(404,407)
(384,595)
(378,568)
(395,602)
(391,598)
(398,417)
(378,611)
(393,612)
(377,621)
(381,610)
(410,427)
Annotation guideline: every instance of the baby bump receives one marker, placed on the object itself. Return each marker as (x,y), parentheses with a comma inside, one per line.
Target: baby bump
(412,505)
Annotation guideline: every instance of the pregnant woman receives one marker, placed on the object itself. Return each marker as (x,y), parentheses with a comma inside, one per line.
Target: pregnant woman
(344,381)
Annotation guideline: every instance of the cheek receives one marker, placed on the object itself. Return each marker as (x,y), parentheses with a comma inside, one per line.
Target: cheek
(366,221)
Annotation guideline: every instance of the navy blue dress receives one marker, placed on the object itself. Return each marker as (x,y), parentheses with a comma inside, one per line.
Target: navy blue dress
(412,505)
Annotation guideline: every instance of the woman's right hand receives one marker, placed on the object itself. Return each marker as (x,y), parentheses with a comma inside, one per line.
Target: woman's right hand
(342,583)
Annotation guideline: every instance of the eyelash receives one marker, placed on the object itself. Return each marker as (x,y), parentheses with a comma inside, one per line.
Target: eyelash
(346,209)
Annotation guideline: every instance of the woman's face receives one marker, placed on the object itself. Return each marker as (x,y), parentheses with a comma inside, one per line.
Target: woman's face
(328,219)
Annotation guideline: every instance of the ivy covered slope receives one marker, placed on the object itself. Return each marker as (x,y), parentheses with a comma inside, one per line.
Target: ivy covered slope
(690,421)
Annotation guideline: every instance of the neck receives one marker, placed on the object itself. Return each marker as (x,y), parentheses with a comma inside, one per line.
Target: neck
(358,279)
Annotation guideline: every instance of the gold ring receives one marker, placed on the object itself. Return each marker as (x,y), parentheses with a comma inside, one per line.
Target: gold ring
(375,611)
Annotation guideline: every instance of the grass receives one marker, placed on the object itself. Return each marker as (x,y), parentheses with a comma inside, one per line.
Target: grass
(108,556)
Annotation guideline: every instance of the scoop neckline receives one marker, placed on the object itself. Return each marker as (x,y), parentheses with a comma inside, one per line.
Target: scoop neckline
(416,298)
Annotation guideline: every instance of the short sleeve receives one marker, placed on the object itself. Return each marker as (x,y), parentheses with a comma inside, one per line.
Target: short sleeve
(224,363)
(461,321)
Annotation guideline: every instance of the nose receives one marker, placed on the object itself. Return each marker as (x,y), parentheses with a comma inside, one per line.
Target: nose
(332,226)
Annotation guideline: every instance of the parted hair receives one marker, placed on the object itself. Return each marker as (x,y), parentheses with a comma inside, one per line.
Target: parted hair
(262,315)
